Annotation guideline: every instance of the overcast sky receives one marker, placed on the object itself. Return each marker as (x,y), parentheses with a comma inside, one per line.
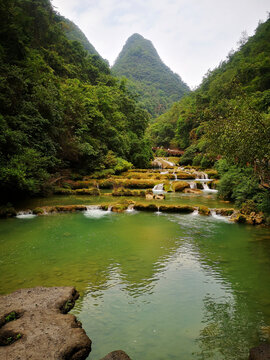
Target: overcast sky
(191,36)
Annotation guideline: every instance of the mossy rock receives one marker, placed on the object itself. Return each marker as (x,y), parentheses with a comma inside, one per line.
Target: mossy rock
(38,211)
(181,209)
(204,210)
(91,192)
(146,207)
(119,208)
(224,211)
(212,173)
(180,186)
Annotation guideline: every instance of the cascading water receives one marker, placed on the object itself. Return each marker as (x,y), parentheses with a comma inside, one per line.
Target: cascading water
(130,208)
(219,217)
(95,211)
(158,189)
(195,212)
(193,185)
(205,186)
(28,214)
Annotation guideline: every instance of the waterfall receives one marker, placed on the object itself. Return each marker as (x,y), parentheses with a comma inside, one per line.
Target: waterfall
(158,212)
(130,208)
(28,214)
(205,186)
(95,211)
(219,217)
(193,185)
(175,175)
(158,189)
(195,212)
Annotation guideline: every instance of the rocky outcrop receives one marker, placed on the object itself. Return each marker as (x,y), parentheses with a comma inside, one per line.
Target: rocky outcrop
(204,210)
(261,352)
(34,324)
(252,218)
(224,211)
(117,355)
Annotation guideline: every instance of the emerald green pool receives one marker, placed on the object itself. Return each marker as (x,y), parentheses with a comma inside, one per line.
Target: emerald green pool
(158,286)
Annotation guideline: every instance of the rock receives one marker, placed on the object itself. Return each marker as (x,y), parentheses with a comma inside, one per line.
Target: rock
(224,211)
(204,210)
(252,219)
(192,191)
(149,196)
(145,207)
(238,217)
(261,352)
(180,209)
(159,197)
(180,185)
(34,326)
(117,355)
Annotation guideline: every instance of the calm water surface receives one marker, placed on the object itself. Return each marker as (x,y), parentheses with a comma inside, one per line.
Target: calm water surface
(159,286)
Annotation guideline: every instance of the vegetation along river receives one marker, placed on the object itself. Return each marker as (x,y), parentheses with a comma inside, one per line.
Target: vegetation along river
(159,286)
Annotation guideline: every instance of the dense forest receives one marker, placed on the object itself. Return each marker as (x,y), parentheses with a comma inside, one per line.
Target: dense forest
(156,86)
(228,116)
(60,107)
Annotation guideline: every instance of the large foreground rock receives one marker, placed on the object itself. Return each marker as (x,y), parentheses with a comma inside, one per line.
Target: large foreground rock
(34,325)
(261,352)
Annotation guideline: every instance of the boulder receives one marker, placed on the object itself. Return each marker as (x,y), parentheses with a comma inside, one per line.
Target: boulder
(204,210)
(34,324)
(261,352)
(180,185)
(192,191)
(159,197)
(224,211)
(117,355)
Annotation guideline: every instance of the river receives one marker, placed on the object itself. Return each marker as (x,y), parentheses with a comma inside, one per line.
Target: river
(158,286)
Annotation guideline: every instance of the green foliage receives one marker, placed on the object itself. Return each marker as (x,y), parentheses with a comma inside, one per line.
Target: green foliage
(156,86)
(59,106)
(242,185)
(11,316)
(189,155)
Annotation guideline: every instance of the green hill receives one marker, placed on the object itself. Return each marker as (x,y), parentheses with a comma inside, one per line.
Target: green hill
(74,33)
(156,85)
(60,108)
(228,116)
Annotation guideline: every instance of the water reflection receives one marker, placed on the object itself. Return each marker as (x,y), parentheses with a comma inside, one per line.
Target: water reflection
(165,287)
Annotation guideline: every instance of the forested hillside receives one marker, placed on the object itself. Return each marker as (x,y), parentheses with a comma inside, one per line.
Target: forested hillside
(60,108)
(73,32)
(156,85)
(228,116)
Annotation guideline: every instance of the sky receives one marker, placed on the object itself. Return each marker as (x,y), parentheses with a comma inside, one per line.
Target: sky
(191,36)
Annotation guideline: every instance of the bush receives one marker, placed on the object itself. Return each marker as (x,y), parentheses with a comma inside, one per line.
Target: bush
(206,162)
(189,155)
(197,160)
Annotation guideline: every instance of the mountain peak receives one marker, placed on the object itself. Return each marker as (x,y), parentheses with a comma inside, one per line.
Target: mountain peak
(158,87)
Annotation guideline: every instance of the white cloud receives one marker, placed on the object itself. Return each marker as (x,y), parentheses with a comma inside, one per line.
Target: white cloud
(190,36)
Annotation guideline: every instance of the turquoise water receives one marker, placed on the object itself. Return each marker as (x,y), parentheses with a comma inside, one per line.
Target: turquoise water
(158,286)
